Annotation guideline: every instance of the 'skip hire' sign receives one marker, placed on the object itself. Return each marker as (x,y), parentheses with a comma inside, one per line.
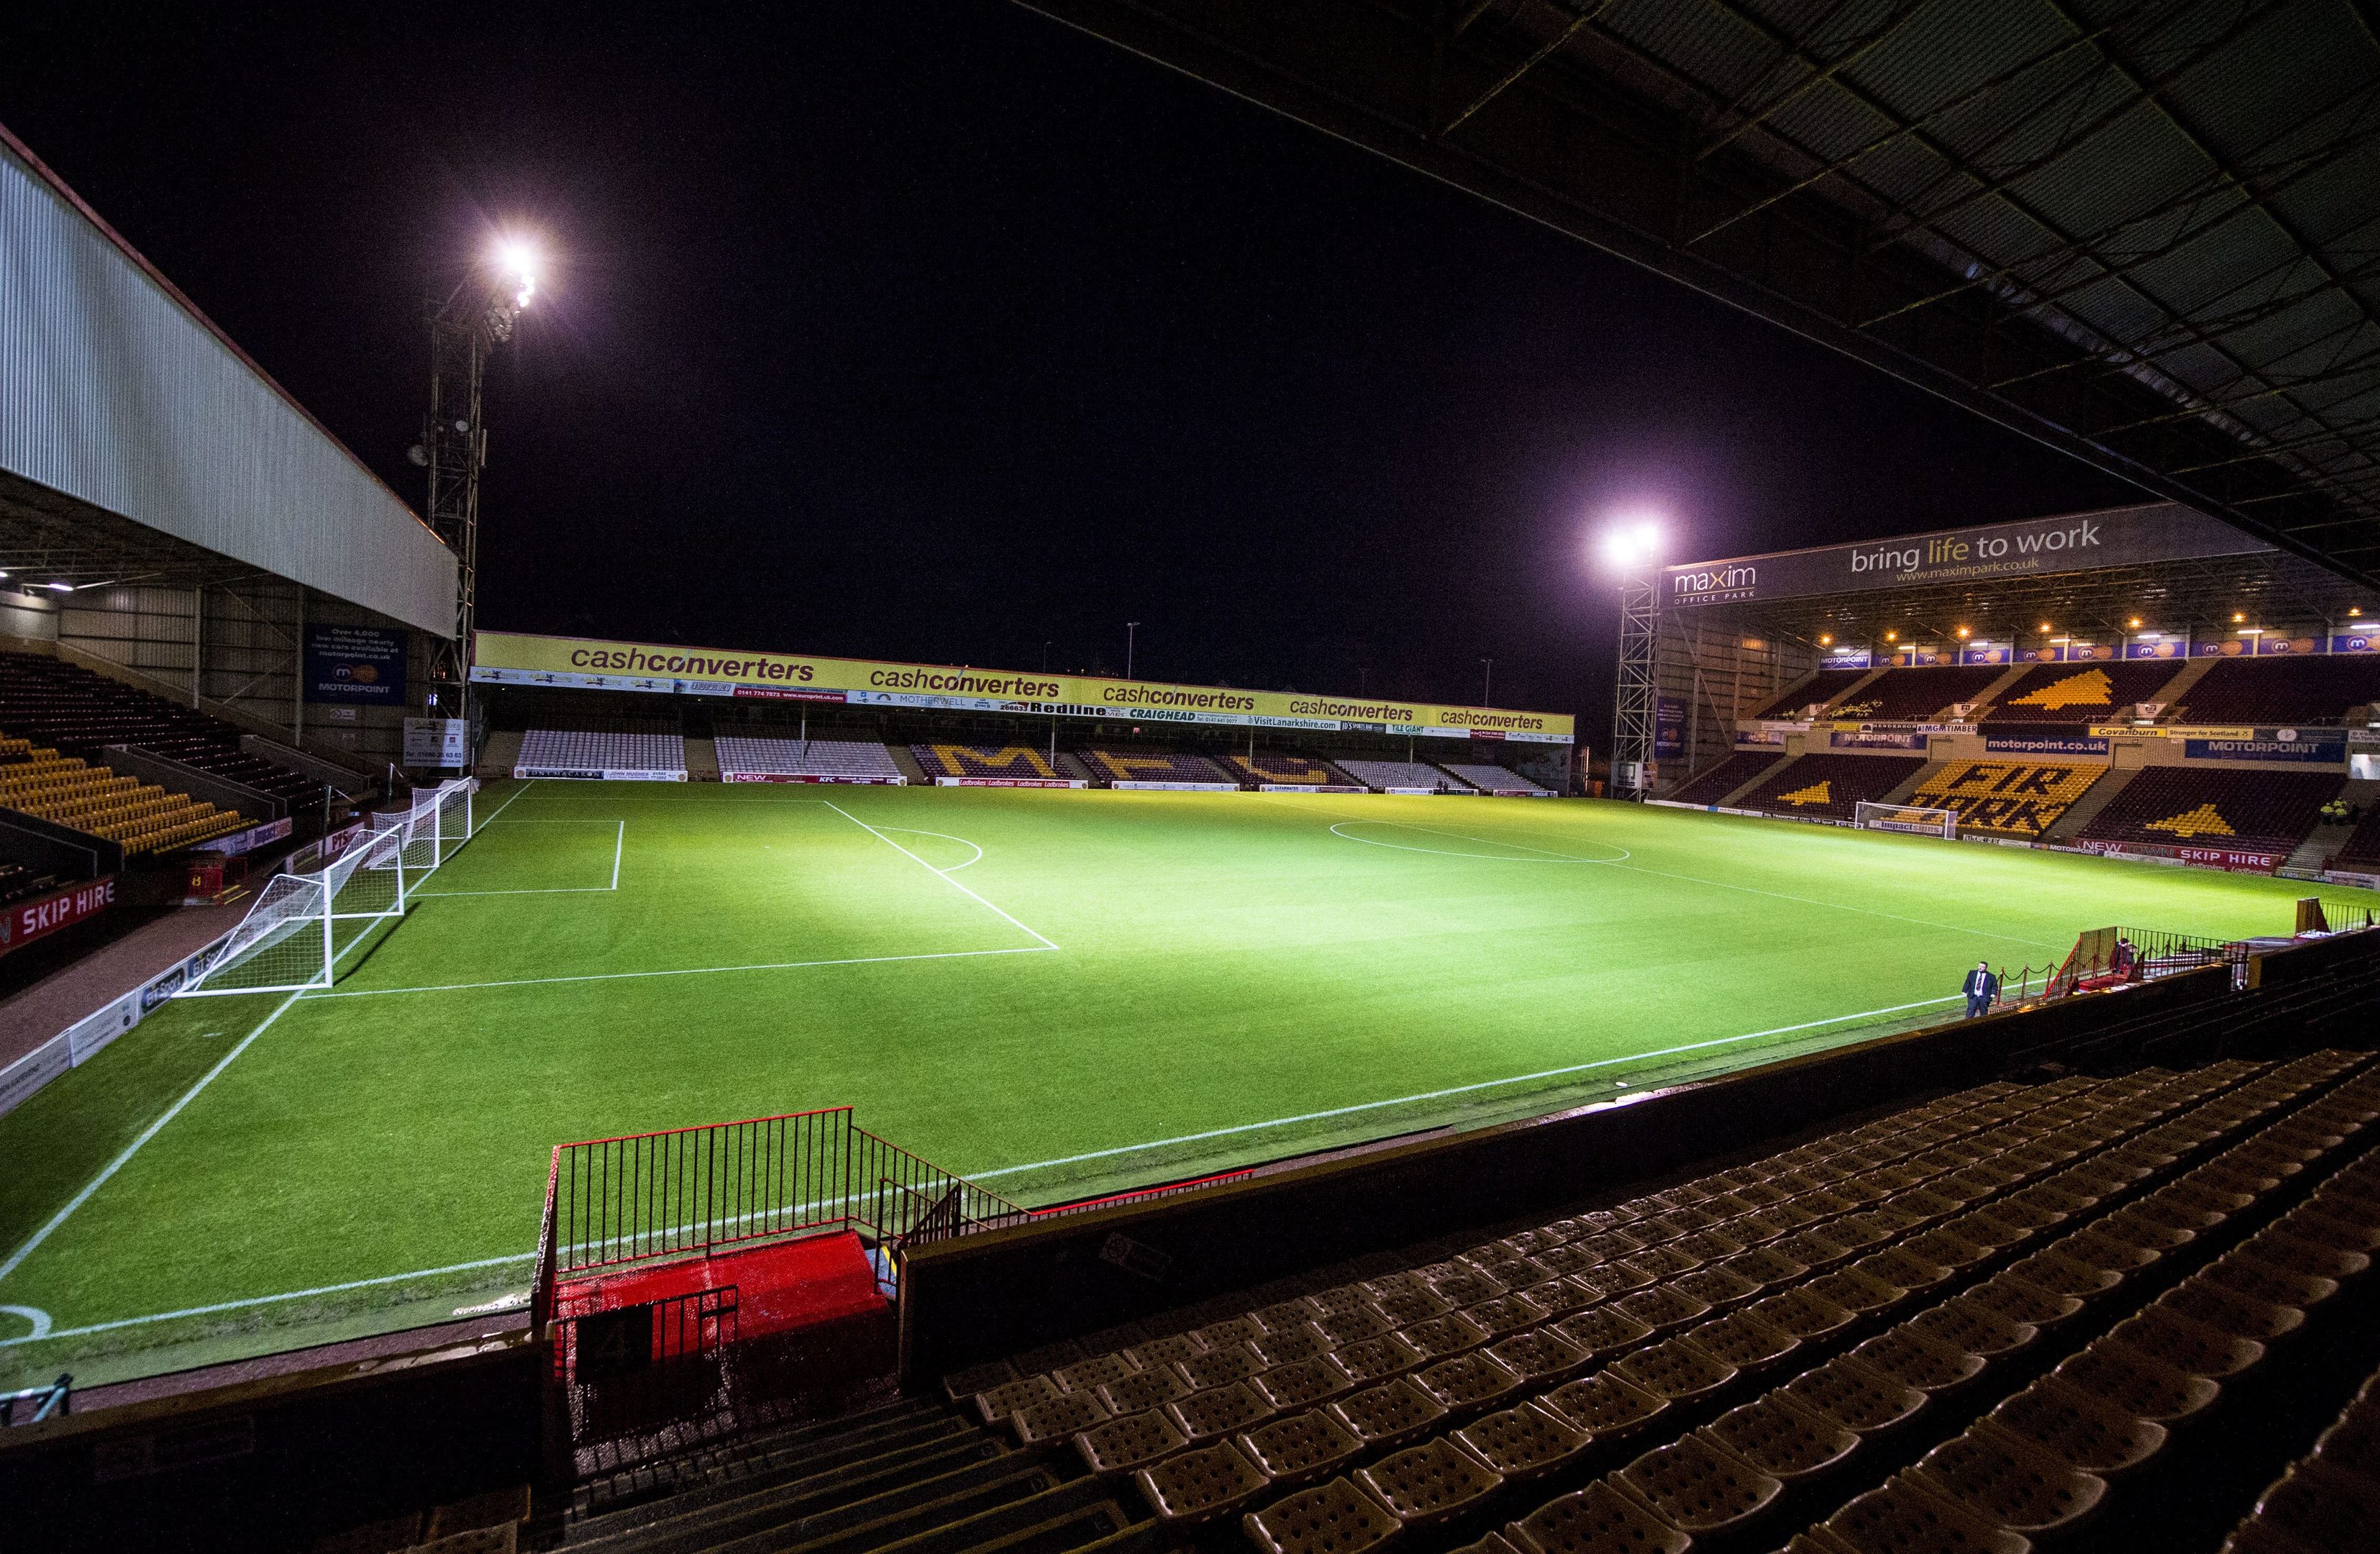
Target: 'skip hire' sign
(2119,537)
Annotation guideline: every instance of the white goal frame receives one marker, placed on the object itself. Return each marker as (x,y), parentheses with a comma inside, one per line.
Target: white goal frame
(1917,820)
(287,942)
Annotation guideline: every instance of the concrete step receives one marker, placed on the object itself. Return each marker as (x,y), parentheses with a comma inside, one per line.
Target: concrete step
(1759,777)
(907,763)
(1062,1508)
(499,753)
(2083,811)
(2174,692)
(701,761)
(809,1505)
(912,1512)
(773,1458)
(1917,780)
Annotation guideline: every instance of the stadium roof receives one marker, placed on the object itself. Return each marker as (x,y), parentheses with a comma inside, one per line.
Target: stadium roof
(2145,233)
(139,444)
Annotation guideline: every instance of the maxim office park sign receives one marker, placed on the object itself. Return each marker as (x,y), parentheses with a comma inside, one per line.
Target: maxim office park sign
(2077,541)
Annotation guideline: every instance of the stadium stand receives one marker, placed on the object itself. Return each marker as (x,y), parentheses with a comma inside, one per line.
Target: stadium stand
(551,752)
(142,816)
(1299,770)
(1155,766)
(2009,798)
(1830,786)
(1917,694)
(2361,850)
(2069,693)
(1822,686)
(2320,690)
(1007,762)
(78,712)
(748,756)
(1495,779)
(1975,1323)
(1712,785)
(1402,774)
(2193,807)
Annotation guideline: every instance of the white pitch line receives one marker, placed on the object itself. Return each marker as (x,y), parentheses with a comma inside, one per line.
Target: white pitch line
(1454,1090)
(96,1182)
(690,971)
(921,863)
(618,846)
(501,808)
(913,830)
(268,1300)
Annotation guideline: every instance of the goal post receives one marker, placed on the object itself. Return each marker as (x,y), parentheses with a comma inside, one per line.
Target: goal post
(1915,819)
(292,939)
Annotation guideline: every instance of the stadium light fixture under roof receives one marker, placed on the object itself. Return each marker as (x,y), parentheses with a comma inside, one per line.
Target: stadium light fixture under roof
(517,261)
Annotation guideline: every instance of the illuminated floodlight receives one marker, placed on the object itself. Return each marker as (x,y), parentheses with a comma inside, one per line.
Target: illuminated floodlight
(1962,634)
(1632,543)
(517,263)
(61,588)
(1825,641)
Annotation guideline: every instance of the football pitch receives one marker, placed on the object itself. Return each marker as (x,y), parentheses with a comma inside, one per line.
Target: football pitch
(1053,992)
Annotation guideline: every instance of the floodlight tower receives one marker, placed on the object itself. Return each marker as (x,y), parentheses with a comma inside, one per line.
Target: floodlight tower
(465,329)
(1633,550)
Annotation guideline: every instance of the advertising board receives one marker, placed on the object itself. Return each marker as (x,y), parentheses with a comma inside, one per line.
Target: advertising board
(510,658)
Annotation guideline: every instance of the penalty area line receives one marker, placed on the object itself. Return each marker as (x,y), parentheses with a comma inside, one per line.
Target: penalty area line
(1454,1090)
(688,971)
(261,1300)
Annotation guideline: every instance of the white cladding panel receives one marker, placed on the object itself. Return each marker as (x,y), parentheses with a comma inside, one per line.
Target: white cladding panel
(113,393)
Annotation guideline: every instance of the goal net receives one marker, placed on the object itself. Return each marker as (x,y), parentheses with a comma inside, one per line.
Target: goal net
(1912,818)
(303,924)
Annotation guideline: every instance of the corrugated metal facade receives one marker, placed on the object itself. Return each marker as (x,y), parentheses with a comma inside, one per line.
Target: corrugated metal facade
(112,392)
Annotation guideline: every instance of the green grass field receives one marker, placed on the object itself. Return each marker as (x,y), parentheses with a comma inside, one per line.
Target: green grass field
(1056,992)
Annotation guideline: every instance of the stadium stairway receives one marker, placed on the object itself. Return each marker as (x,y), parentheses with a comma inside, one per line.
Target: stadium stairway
(2178,688)
(501,753)
(1999,687)
(906,763)
(1758,777)
(701,761)
(1917,780)
(2083,811)
(2324,842)
(908,1475)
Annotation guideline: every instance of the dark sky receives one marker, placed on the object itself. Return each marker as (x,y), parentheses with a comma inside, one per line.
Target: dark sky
(939,331)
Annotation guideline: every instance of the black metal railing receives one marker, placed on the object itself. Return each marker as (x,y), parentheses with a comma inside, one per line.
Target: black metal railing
(614,1202)
(642,1381)
(2112,957)
(37,1402)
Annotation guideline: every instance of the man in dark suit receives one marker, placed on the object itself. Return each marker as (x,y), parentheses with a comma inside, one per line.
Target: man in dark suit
(1982,988)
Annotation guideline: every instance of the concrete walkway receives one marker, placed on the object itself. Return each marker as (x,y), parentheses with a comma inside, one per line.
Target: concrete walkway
(57,1001)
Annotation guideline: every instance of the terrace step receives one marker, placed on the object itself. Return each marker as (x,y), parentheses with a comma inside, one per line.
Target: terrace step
(2083,811)
(701,761)
(778,1458)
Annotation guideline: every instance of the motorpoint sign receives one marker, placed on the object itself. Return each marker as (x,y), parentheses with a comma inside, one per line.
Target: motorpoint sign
(2077,541)
(513,658)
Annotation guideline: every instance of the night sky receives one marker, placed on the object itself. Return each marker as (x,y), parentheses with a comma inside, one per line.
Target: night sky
(939,331)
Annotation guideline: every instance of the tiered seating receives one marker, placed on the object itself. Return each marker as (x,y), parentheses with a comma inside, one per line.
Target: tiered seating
(142,816)
(1714,785)
(1830,786)
(1825,686)
(1951,1329)
(76,712)
(2082,692)
(1917,694)
(2328,1497)
(846,759)
(1300,771)
(1495,779)
(2277,691)
(618,749)
(1012,762)
(2012,798)
(1154,766)
(1402,774)
(2193,807)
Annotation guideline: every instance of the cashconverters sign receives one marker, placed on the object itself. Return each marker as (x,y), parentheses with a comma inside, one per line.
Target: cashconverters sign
(2119,537)
(511,658)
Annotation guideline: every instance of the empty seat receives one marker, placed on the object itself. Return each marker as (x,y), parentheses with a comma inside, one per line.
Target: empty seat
(1699,1486)
(2078,1428)
(2001,1476)
(1333,1518)
(1299,1446)
(1202,1484)
(1595,1520)
(1433,1482)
